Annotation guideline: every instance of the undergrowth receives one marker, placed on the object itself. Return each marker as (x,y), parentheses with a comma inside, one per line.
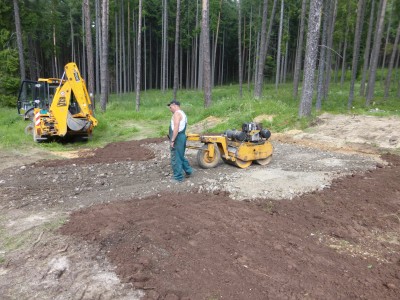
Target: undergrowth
(122,122)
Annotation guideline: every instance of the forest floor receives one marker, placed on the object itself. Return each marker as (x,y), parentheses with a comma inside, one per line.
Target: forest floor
(321,221)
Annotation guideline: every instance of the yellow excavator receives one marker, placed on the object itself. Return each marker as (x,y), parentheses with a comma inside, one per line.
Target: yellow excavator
(237,147)
(58,108)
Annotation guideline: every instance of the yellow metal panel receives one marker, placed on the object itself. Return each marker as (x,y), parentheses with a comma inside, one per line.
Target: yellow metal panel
(250,151)
(80,92)
(193,137)
(59,108)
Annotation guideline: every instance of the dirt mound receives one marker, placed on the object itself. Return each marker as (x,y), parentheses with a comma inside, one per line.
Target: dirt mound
(204,125)
(122,151)
(365,134)
(204,246)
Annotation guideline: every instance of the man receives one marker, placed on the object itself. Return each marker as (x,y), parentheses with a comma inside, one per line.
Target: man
(177,135)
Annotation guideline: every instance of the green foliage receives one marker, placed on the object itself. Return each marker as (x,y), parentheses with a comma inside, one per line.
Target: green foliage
(122,122)
(12,129)
(9,66)
(6,14)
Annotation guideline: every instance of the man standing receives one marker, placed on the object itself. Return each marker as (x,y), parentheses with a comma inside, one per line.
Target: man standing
(177,135)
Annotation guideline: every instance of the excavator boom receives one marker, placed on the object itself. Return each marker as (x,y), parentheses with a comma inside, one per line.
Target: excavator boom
(70,112)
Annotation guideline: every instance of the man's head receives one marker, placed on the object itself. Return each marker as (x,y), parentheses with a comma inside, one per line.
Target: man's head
(174,105)
(174,102)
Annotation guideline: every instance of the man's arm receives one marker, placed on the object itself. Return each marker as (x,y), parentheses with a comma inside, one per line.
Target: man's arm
(177,119)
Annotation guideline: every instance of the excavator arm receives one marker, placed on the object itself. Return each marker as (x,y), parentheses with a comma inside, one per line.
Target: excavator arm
(70,111)
(80,114)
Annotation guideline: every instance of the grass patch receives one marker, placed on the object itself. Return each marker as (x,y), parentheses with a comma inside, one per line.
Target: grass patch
(26,238)
(15,242)
(54,225)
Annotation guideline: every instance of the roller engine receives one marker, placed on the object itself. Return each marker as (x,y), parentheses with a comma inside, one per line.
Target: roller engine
(251,132)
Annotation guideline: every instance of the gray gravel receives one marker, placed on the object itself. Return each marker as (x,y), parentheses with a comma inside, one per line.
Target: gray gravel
(294,170)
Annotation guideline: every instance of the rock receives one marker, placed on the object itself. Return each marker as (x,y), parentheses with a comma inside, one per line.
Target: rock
(171,297)
(390,285)
(58,266)
(140,277)
(152,295)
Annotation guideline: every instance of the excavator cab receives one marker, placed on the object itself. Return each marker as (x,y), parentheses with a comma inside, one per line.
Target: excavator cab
(36,94)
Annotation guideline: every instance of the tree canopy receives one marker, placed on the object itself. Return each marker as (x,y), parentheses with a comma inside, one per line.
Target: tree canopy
(53,34)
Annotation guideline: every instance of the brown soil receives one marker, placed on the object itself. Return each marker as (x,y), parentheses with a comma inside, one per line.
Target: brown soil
(336,239)
(338,244)
(111,153)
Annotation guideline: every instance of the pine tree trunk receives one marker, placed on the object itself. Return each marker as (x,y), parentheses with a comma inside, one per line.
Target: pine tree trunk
(263,53)
(157,67)
(129,60)
(356,49)
(164,47)
(98,44)
(139,56)
(188,62)
(389,26)
(55,61)
(337,62)
(200,71)
(104,57)
(367,50)
(32,61)
(176,75)
(120,58)
(240,50)
(243,44)
(124,60)
(375,54)
(344,66)
(188,71)
(314,23)
(196,61)
(322,57)
(215,44)
(150,77)
(117,64)
(286,59)
(391,63)
(249,67)
(206,54)
(256,58)
(134,29)
(261,61)
(89,49)
(299,51)
(331,27)
(72,37)
(222,60)
(181,67)
(144,55)
(278,54)
(398,73)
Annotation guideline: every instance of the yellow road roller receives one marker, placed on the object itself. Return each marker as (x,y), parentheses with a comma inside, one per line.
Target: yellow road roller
(236,147)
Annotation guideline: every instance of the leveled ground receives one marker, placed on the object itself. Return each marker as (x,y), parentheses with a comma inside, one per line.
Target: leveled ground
(322,221)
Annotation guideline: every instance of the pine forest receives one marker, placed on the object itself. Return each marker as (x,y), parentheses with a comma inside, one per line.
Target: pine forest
(129,46)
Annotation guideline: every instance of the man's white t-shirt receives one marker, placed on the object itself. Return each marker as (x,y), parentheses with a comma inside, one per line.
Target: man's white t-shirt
(182,122)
